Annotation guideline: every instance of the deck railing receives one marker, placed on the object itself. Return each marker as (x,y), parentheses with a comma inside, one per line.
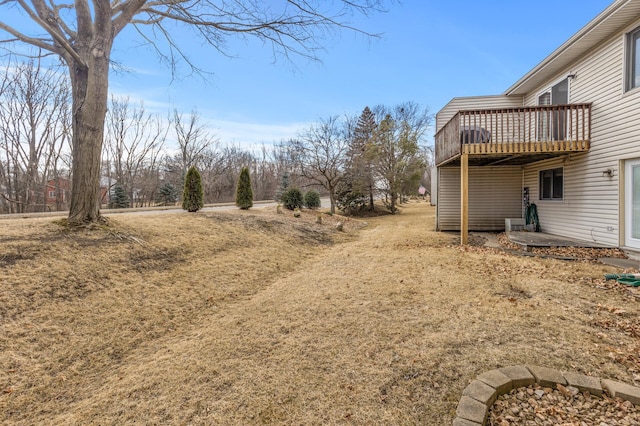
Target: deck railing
(526,130)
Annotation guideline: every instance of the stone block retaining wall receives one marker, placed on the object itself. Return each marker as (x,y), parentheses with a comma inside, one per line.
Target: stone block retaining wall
(479,396)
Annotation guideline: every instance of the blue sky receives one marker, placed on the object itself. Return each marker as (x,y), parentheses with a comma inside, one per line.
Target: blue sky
(429,52)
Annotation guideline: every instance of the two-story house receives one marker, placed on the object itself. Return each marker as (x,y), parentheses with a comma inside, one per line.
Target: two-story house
(565,137)
(57,193)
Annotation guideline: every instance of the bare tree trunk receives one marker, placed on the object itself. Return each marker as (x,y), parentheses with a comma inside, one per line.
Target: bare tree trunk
(332,200)
(320,153)
(90,93)
(394,202)
(371,205)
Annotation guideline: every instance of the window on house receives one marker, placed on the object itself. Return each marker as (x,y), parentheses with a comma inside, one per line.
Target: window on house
(633,59)
(52,194)
(552,124)
(551,184)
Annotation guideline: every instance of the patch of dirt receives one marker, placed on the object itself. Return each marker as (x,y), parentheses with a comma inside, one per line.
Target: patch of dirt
(514,293)
(366,213)
(473,240)
(156,260)
(8,259)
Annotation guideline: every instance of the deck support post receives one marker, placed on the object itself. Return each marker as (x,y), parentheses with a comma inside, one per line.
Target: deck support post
(464,199)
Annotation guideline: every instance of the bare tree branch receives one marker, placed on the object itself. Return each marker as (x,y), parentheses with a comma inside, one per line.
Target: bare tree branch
(321,153)
(25,39)
(43,16)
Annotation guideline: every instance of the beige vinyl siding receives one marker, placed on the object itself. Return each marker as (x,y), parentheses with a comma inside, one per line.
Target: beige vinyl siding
(590,209)
(495,193)
(574,215)
(475,102)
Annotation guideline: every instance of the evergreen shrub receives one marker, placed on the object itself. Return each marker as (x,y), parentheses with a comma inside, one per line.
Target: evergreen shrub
(292,199)
(312,199)
(118,198)
(193,194)
(244,193)
(167,194)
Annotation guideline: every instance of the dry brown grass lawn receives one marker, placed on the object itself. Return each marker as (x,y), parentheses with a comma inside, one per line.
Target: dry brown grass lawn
(257,318)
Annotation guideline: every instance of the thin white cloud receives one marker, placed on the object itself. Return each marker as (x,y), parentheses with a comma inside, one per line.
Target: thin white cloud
(148,99)
(253,134)
(124,70)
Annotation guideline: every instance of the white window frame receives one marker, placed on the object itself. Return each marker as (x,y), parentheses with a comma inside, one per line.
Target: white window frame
(552,85)
(540,185)
(630,60)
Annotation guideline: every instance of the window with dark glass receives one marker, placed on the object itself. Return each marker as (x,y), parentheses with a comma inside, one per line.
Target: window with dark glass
(551,184)
(633,59)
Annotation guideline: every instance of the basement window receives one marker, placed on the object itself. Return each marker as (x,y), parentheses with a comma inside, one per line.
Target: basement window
(551,184)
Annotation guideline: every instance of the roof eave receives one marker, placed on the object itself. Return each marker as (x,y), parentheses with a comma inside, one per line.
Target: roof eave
(546,68)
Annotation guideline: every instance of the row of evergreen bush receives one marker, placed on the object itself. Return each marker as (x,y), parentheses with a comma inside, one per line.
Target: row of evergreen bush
(293,199)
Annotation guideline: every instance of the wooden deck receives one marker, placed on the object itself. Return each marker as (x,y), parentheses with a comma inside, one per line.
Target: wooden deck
(510,136)
(514,135)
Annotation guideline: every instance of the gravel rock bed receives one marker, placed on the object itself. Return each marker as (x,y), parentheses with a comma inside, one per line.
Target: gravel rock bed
(565,406)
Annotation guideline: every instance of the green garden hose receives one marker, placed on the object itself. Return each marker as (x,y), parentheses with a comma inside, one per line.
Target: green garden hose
(531,216)
(632,280)
(616,276)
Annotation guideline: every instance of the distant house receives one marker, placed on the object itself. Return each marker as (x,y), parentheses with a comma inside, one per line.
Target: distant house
(565,136)
(58,193)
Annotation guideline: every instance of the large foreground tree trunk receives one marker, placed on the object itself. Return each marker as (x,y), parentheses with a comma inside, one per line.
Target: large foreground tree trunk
(90,86)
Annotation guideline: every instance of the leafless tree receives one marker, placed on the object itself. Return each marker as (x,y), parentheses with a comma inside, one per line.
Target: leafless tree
(83,32)
(135,140)
(60,157)
(398,161)
(265,173)
(5,160)
(321,154)
(149,182)
(215,164)
(193,138)
(34,108)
